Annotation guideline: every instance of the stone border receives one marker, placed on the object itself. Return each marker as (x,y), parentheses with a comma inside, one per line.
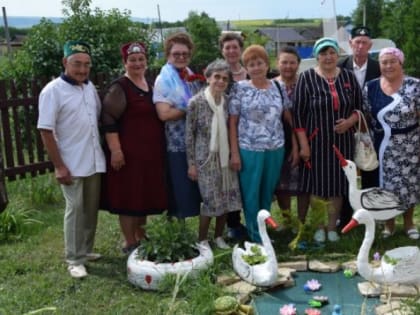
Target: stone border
(391,296)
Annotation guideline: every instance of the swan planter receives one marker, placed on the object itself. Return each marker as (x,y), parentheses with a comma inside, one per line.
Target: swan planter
(262,274)
(148,274)
(400,265)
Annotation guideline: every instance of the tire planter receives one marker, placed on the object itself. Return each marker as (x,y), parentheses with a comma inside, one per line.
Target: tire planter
(147,274)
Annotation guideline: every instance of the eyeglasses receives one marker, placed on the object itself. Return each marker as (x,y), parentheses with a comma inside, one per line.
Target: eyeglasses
(79,65)
(178,55)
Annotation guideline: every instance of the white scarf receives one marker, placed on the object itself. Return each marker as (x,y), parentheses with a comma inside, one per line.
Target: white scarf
(219,137)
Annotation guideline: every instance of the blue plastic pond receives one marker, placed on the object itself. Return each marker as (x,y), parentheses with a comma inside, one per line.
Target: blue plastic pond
(339,290)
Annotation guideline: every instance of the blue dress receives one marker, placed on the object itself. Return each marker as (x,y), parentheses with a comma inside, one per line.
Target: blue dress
(394,122)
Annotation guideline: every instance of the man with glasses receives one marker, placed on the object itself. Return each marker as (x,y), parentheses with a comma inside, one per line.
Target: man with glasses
(69,109)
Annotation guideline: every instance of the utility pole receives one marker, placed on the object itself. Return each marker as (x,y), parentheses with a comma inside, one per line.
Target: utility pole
(160,25)
(6,31)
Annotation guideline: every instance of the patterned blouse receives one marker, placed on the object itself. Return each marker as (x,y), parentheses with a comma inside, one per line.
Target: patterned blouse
(260,111)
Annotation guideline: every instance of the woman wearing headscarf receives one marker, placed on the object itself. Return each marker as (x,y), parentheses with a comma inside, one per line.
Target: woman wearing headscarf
(135,184)
(324,102)
(392,104)
(174,87)
(208,152)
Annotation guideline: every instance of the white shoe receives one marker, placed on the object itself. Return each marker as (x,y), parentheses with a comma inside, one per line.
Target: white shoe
(205,243)
(77,271)
(93,256)
(220,243)
(319,236)
(333,236)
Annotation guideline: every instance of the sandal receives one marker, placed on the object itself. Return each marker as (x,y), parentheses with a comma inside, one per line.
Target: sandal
(413,233)
(386,233)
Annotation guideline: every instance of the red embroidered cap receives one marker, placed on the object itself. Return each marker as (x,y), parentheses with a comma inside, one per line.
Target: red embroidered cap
(132,48)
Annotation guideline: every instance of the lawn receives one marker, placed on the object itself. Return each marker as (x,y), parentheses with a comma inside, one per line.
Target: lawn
(33,274)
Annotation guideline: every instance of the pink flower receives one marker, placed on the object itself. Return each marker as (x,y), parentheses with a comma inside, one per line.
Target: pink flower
(313,285)
(288,309)
(312,311)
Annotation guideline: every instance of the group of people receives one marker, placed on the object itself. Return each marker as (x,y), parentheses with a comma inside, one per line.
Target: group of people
(224,143)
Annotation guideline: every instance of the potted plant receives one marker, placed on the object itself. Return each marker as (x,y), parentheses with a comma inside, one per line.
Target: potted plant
(169,247)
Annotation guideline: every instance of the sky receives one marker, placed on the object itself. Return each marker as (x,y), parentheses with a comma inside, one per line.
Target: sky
(177,10)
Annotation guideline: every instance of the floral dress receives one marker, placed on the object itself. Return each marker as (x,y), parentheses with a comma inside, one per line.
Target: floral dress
(395,124)
(216,200)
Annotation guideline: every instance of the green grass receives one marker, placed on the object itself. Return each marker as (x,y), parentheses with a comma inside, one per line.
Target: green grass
(33,273)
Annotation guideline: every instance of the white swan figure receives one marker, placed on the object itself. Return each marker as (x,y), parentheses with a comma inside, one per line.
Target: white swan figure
(399,265)
(264,274)
(381,203)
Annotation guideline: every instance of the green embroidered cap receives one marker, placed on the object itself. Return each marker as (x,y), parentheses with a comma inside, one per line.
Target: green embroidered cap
(75,46)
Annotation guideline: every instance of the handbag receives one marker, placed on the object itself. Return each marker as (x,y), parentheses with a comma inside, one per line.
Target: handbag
(365,156)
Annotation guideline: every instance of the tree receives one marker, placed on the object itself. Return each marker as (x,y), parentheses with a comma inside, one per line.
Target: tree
(373,15)
(205,34)
(405,32)
(105,31)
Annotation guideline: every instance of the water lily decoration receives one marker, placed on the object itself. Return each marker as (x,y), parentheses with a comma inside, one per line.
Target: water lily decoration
(312,285)
(288,309)
(377,256)
(348,273)
(312,311)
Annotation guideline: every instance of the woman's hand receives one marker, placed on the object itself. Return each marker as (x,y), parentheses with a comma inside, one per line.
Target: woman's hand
(305,153)
(294,158)
(192,173)
(117,159)
(235,161)
(342,125)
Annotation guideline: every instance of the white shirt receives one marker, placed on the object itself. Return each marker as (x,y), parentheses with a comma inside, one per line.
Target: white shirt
(360,73)
(72,112)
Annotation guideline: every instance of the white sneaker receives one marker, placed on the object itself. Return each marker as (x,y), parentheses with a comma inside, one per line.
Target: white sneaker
(319,236)
(77,271)
(220,243)
(205,243)
(333,236)
(93,256)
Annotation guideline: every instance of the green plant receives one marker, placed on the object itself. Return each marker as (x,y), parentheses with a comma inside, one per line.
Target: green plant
(256,257)
(167,240)
(13,222)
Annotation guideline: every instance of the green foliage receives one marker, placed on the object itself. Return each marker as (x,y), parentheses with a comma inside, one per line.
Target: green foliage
(256,257)
(205,34)
(167,240)
(13,222)
(405,32)
(374,15)
(105,31)
(45,191)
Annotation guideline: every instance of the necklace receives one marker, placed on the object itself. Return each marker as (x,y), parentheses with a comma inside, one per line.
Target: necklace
(241,69)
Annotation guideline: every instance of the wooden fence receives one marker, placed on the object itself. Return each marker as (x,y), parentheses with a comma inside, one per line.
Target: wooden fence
(20,141)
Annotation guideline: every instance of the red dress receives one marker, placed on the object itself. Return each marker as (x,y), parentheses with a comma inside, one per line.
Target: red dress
(139,187)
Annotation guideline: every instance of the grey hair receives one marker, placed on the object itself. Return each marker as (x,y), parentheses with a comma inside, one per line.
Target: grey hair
(216,66)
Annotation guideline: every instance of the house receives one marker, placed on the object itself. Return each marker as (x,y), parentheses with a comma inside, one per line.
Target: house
(283,36)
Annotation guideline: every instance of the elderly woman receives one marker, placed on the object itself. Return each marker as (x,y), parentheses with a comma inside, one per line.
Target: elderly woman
(288,61)
(135,179)
(392,105)
(256,136)
(324,102)
(231,45)
(174,87)
(208,152)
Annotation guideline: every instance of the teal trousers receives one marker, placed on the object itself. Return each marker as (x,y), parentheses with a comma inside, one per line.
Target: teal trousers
(259,175)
